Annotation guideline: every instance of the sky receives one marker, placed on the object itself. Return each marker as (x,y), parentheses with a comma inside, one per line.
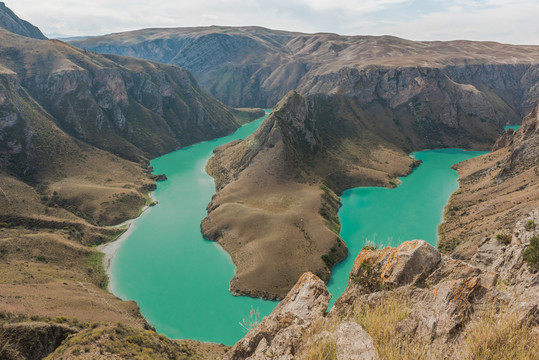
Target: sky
(506,21)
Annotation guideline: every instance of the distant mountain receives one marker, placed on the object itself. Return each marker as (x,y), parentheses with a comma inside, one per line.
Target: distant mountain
(14,24)
(248,66)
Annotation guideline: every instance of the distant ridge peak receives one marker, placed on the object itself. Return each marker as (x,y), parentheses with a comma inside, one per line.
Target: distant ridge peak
(12,23)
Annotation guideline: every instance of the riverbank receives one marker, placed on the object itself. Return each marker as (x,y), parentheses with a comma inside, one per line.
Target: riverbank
(111,248)
(179,280)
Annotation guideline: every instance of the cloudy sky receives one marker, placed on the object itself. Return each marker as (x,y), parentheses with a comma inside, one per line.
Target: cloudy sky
(509,21)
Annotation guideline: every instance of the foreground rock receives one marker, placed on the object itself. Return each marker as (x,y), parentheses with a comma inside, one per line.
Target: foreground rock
(440,303)
(280,334)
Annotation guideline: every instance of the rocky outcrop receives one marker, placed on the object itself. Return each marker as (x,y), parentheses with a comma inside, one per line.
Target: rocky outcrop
(443,297)
(409,264)
(444,292)
(280,334)
(352,342)
(14,24)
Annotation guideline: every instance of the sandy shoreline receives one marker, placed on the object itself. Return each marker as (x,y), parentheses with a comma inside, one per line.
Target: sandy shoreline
(111,248)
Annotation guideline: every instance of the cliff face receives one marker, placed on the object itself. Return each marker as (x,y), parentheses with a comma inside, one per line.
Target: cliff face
(132,108)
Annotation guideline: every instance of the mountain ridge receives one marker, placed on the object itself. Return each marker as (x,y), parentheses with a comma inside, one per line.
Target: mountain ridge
(256,66)
(14,24)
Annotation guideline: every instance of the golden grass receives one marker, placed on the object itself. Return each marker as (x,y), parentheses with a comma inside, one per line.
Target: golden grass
(318,341)
(324,349)
(493,336)
(488,336)
(380,321)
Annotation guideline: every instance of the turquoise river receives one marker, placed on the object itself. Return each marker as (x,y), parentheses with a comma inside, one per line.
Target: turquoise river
(180,281)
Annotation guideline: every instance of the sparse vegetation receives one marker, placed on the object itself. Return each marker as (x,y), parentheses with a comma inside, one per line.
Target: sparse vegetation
(96,271)
(368,277)
(530,225)
(324,188)
(531,253)
(252,320)
(123,342)
(380,321)
(493,336)
(447,246)
(322,350)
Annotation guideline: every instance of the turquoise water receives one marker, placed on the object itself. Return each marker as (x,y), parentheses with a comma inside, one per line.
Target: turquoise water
(179,280)
(387,217)
(514,127)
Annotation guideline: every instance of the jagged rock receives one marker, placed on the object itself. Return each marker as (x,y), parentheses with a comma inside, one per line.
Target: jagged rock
(354,343)
(278,335)
(505,140)
(409,264)
(441,312)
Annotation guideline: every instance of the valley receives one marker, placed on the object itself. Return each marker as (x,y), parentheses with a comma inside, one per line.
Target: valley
(87,128)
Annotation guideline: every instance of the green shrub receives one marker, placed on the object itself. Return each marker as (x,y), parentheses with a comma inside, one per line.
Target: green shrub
(530,225)
(504,238)
(327,259)
(325,188)
(531,253)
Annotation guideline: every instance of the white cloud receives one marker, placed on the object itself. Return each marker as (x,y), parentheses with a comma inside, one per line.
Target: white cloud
(512,21)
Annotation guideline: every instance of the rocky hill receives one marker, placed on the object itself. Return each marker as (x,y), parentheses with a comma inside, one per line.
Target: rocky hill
(494,191)
(308,151)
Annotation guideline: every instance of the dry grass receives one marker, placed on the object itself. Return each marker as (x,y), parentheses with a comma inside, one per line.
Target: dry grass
(489,336)
(380,321)
(324,349)
(319,341)
(123,342)
(494,336)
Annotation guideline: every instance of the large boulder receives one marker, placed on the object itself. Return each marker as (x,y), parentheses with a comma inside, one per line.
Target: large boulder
(409,264)
(354,343)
